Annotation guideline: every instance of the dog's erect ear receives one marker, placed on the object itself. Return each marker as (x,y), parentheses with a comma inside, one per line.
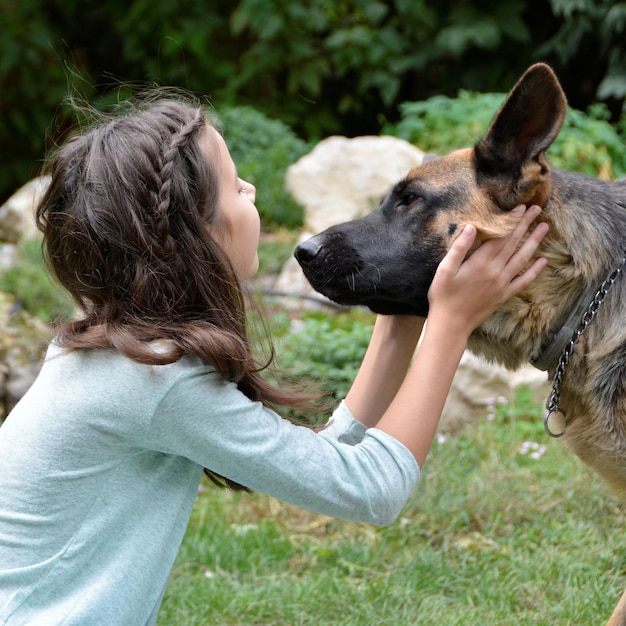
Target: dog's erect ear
(524,127)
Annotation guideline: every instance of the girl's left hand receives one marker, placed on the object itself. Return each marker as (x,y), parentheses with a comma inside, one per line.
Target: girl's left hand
(467,291)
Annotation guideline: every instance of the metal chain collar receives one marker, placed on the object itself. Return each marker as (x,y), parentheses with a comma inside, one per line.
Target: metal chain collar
(552,404)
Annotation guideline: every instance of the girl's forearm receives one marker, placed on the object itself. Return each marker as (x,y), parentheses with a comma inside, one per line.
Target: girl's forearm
(413,415)
(384,366)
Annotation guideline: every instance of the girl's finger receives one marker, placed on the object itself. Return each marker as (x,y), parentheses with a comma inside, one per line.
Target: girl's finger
(524,254)
(523,280)
(459,248)
(510,244)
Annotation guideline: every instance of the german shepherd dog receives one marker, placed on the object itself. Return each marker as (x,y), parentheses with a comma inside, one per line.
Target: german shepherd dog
(387,260)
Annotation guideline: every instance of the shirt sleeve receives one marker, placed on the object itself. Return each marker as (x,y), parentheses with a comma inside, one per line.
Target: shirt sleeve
(344,471)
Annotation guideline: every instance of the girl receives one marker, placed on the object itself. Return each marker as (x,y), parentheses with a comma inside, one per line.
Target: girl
(148,226)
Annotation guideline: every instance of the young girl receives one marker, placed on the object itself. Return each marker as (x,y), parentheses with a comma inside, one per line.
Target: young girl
(148,226)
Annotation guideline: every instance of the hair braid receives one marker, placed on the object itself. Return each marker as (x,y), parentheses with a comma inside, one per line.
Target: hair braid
(167,165)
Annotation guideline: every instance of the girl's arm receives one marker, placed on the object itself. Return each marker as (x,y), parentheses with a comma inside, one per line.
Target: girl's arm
(462,295)
(384,366)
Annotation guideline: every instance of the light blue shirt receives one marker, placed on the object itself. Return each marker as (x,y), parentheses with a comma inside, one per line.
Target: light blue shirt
(100,464)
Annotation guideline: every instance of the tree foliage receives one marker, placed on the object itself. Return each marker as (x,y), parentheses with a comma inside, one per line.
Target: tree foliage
(263,149)
(320,66)
(587,142)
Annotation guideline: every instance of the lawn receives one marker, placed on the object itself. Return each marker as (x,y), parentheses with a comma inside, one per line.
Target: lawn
(505,528)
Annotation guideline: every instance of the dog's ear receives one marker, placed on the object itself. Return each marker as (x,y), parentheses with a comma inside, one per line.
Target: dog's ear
(519,134)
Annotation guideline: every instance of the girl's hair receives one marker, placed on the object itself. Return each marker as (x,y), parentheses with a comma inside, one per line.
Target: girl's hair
(125,232)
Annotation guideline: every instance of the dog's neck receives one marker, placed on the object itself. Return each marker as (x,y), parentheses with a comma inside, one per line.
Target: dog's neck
(583,311)
(548,358)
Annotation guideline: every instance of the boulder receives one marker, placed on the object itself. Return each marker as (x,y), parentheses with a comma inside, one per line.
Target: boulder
(24,337)
(479,387)
(17,213)
(23,342)
(343,178)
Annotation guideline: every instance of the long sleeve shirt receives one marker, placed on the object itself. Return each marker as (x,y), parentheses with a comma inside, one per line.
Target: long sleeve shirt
(100,464)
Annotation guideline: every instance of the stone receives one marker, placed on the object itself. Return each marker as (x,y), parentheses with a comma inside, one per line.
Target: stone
(479,386)
(339,180)
(343,178)
(23,343)
(8,256)
(17,219)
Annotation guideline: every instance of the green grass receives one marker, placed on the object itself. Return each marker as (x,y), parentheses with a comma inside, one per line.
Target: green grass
(32,287)
(491,536)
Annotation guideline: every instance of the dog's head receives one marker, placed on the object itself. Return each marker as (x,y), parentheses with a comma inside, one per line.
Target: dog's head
(387,259)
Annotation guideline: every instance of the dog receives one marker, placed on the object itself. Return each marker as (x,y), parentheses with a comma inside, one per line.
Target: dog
(569,321)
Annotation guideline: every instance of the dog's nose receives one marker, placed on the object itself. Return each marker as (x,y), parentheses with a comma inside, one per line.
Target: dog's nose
(306,251)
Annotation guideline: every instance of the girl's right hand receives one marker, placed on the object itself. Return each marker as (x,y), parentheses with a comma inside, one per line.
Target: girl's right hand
(465,292)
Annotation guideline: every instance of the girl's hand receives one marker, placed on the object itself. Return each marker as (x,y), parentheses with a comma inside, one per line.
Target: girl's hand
(465,292)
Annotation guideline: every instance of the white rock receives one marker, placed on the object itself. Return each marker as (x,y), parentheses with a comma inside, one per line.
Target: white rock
(343,178)
(478,386)
(339,180)
(8,256)
(17,214)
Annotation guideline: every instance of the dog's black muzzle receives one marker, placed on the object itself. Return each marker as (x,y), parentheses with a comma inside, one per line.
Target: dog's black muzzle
(307,251)
(360,263)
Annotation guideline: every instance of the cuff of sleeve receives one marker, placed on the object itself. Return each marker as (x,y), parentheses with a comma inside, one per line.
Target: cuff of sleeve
(343,427)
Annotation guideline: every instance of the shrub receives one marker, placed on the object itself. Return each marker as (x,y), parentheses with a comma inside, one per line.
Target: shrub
(327,350)
(587,143)
(262,149)
(28,281)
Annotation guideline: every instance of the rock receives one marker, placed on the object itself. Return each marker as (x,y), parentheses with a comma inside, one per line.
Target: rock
(8,256)
(479,386)
(342,178)
(17,219)
(24,337)
(23,343)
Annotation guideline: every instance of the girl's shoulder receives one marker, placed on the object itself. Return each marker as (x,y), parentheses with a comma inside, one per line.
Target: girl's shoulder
(107,371)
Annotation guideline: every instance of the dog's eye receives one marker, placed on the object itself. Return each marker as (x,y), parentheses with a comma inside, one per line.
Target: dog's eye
(407,199)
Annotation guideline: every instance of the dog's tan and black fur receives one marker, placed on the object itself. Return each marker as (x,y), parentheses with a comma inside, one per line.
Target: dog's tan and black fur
(387,260)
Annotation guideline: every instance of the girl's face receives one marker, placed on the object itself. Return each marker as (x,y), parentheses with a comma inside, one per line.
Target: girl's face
(239,225)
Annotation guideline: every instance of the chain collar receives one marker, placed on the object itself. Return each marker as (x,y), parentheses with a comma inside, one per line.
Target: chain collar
(552,404)
(548,358)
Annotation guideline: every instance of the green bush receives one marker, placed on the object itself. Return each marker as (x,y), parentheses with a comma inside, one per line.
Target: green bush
(322,67)
(327,350)
(262,149)
(587,143)
(28,281)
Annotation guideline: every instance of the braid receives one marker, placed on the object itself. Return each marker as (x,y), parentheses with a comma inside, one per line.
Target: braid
(165,172)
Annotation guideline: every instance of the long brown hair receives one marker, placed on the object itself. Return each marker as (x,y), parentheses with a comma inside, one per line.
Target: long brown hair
(125,232)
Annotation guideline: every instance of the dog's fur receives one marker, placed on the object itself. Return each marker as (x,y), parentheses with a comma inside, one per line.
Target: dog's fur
(387,260)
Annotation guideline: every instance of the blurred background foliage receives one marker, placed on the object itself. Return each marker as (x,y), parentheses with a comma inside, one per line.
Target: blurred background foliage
(321,67)
(587,143)
(263,148)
